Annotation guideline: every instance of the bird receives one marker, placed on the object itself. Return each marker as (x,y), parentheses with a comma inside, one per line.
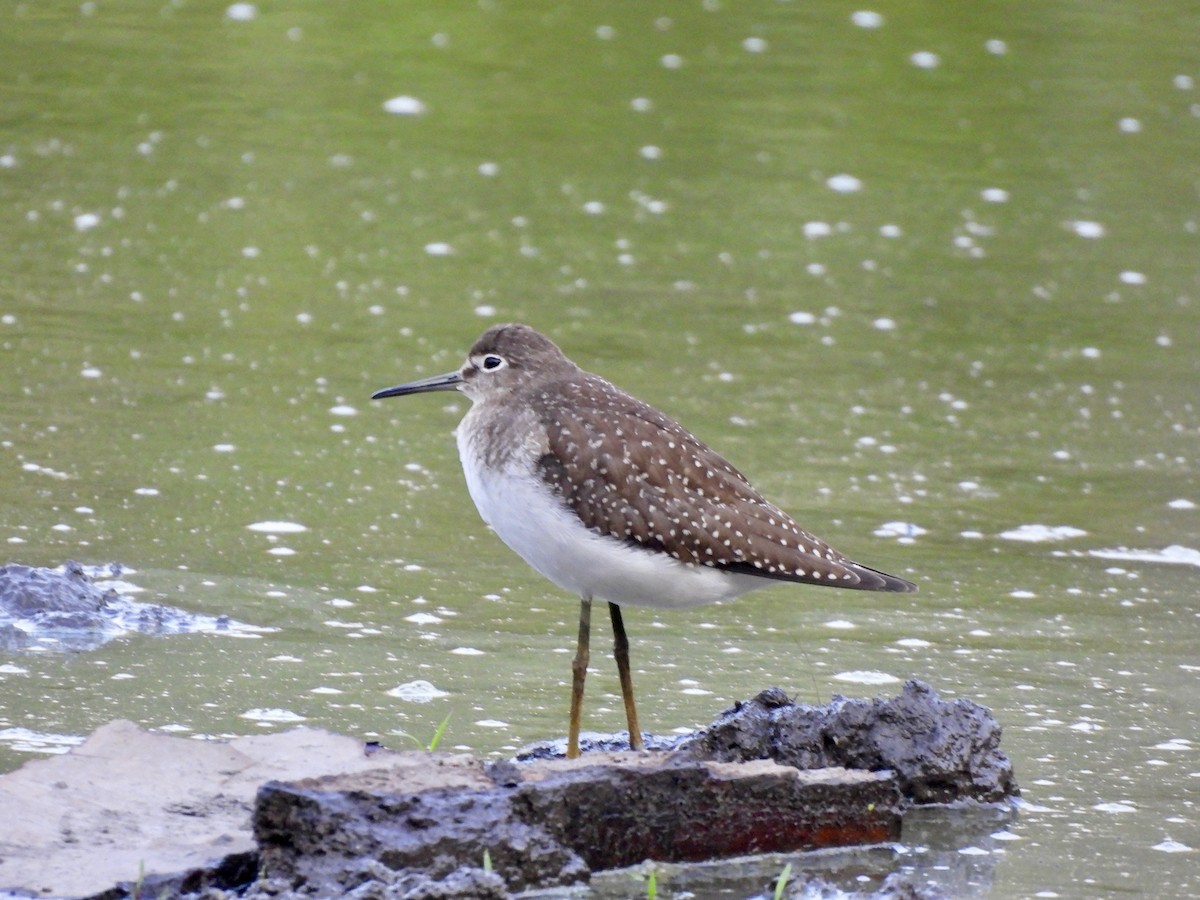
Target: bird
(613,500)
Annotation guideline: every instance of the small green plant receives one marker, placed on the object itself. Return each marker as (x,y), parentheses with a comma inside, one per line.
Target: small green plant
(434,741)
(487,861)
(651,881)
(782,880)
(437,735)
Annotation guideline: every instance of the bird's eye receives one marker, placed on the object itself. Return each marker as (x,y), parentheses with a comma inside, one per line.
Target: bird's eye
(492,362)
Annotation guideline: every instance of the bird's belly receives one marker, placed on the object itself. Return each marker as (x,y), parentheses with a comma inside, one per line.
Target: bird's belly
(550,537)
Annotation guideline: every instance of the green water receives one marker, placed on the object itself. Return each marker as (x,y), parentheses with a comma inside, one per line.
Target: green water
(218,243)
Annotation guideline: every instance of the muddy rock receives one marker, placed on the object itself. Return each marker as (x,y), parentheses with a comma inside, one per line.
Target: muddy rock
(632,807)
(554,822)
(316,832)
(941,751)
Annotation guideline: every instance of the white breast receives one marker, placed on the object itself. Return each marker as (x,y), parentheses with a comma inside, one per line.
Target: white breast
(544,532)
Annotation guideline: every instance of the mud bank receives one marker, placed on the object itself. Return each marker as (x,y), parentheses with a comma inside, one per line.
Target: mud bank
(306,813)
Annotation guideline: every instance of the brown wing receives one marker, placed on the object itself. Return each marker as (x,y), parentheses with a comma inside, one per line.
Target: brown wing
(629,471)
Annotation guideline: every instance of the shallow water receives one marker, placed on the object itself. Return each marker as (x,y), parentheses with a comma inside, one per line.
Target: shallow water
(931,285)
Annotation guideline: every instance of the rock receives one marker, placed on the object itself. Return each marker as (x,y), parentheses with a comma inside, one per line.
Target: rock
(26,592)
(941,751)
(378,883)
(430,813)
(77,608)
(630,807)
(563,819)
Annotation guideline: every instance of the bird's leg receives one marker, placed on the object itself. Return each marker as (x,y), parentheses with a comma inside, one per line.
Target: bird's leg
(621,653)
(578,674)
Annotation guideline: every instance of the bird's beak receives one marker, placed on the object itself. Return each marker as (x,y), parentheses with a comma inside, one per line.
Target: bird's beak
(448,382)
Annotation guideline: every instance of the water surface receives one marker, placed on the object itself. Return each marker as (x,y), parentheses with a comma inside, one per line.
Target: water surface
(929,280)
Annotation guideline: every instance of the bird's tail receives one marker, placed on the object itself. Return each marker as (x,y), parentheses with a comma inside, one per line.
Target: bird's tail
(874,580)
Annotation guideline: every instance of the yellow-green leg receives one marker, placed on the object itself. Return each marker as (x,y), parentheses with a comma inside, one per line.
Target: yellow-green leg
(621,652)
(578,674)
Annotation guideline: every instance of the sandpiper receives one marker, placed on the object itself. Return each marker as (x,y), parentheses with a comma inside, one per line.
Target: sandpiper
(613,500)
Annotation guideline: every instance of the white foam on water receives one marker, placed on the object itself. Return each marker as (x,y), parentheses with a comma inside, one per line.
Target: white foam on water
(404,106)
(419,691)
(1042,533)
(1175,554)
(276,527)
(844,184)
(1170,846)
(241,12)
(272,714)
(421,618)
(863,676)
(26,740)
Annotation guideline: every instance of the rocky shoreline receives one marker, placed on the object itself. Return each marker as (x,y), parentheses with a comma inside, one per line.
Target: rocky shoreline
(306,813)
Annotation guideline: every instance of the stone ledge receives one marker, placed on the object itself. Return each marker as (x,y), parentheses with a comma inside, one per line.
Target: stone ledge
(558,820)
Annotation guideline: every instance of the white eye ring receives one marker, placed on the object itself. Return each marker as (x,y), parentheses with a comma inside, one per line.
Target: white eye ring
(491,362)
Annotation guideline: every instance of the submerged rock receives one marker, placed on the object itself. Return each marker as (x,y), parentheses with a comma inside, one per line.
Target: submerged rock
(81,608)
(31,593)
